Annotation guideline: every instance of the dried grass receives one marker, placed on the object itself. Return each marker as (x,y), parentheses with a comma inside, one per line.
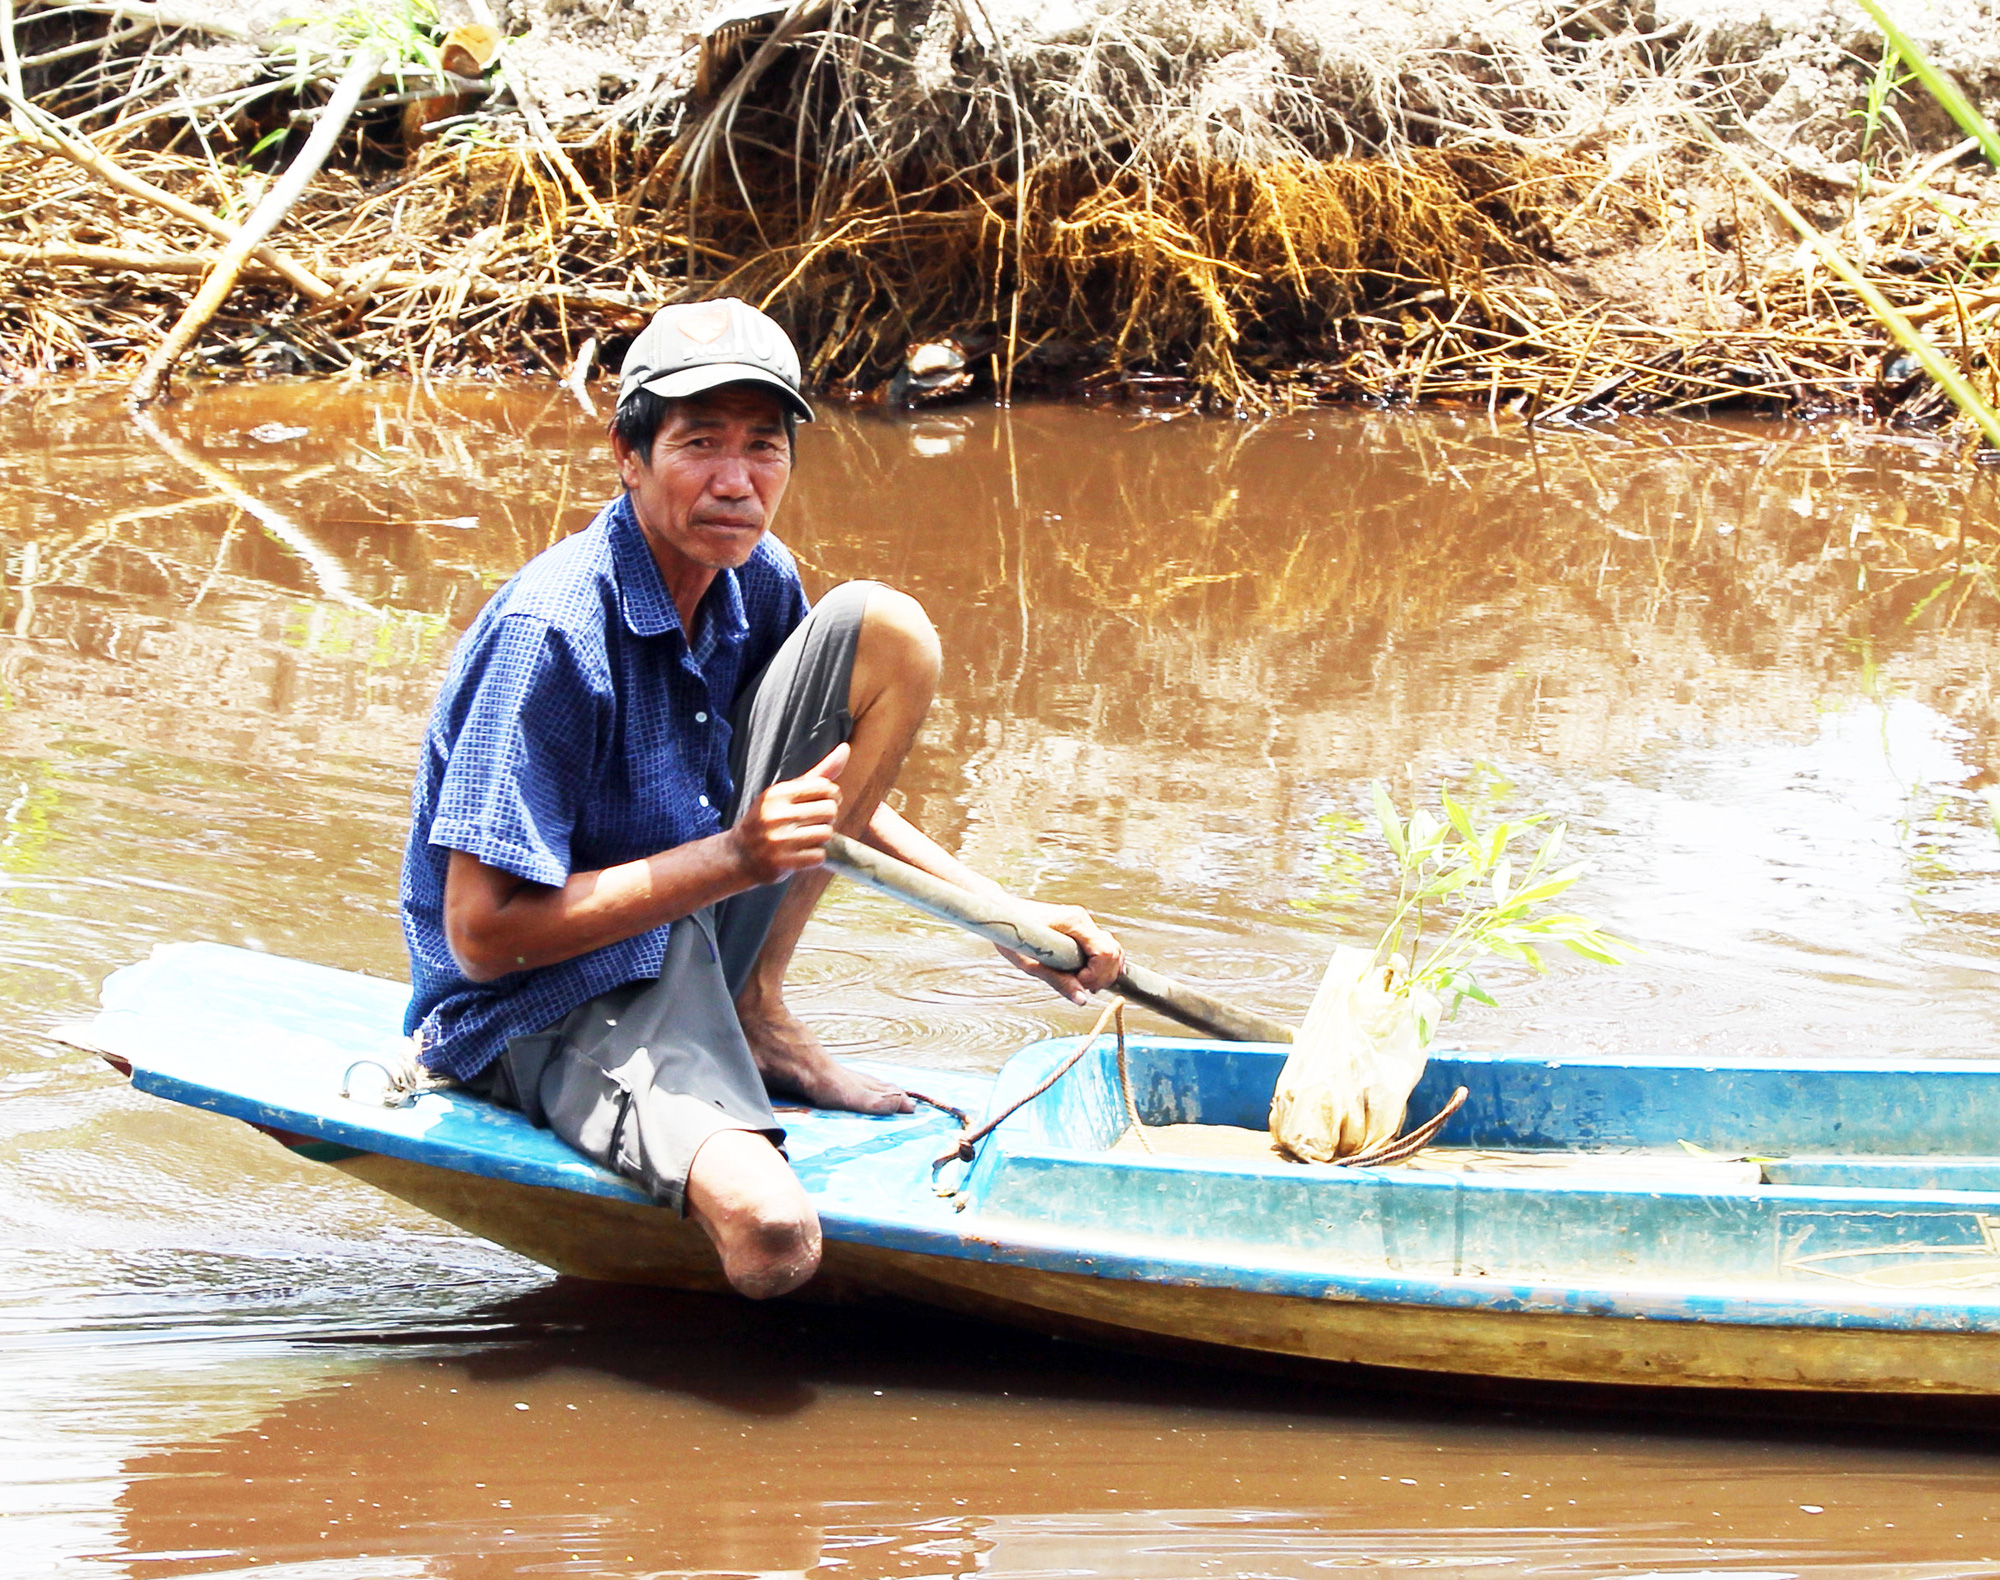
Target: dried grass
(1204,273)
(1150,209)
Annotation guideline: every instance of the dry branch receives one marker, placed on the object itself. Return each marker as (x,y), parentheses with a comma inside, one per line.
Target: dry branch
(10,57)
(169,18)
(538,127)
(264,219)
(383,281)
(50,139)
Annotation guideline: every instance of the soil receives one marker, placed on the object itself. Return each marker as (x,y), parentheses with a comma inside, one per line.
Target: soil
(879,173)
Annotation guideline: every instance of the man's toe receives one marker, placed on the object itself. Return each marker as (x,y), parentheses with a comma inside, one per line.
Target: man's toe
(887,1101)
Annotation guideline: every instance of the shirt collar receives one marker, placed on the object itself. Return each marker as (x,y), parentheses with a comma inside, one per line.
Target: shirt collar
(642,594)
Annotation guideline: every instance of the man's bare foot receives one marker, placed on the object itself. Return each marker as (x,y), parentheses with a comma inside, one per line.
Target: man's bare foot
(791,1060)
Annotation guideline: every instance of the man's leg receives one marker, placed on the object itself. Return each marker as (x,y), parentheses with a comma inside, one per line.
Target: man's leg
(896,661)
(740,1189)
(654,1081)
(755,1212)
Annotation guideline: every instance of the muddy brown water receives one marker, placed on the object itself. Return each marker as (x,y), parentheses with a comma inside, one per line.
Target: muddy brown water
(1752,666)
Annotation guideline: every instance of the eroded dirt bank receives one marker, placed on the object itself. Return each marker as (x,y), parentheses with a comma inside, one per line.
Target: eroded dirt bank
(1473,200)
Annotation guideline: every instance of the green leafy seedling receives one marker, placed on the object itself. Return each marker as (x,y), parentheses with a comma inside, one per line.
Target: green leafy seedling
(269,140)
(1490,888)
(1884,85)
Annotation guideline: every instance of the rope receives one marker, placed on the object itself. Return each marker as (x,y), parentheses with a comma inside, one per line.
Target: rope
(966,1148)
(1408,1145)
(404,1078)
(1125,1086)
(943,1108)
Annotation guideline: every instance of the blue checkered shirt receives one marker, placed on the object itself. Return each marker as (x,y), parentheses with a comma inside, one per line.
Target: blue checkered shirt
(576,729)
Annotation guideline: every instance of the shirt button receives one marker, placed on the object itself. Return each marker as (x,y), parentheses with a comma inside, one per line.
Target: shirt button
(702,799)
(701,718)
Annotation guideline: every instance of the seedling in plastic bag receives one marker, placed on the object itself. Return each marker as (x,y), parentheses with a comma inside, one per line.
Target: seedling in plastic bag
(1345,1088)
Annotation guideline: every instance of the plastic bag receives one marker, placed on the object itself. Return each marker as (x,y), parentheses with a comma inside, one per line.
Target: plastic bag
(1347,1083)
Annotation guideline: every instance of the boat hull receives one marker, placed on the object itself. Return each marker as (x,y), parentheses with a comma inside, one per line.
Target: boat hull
(629,1242)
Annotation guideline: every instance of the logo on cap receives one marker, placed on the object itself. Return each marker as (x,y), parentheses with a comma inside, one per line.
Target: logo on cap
(704,323)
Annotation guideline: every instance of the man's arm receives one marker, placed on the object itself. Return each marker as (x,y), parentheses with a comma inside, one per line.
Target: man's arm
(1104,957)
(498,923)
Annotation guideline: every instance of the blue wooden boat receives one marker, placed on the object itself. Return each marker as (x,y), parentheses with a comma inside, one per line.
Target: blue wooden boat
(1827,1227)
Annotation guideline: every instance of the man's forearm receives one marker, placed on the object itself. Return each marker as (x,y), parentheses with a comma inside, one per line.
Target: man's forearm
(895,835)
(500,924)
(497,923)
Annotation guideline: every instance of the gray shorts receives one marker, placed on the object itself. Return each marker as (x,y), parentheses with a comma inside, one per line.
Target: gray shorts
(638,1078)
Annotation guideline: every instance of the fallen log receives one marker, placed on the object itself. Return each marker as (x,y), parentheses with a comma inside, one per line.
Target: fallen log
(172,18)
(52,255)
(191,265)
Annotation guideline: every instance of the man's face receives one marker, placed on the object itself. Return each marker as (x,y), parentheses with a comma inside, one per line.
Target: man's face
(712,486)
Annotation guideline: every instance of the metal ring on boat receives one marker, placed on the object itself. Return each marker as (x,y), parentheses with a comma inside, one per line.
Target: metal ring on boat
(393,1095)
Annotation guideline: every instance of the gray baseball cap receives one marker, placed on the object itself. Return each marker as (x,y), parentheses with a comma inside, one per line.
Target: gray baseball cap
(697,346)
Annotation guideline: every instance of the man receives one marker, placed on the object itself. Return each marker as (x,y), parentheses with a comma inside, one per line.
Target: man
(619,825)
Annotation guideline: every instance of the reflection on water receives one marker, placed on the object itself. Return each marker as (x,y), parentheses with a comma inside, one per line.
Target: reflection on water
(1751,666)
(689,1436)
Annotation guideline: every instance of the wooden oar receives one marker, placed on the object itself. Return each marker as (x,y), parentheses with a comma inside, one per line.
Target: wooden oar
(1003,920)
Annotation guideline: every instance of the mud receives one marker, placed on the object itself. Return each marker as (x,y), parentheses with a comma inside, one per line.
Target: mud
(1238,206)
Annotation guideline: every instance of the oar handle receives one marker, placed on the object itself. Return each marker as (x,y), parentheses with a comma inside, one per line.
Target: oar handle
(1003,920)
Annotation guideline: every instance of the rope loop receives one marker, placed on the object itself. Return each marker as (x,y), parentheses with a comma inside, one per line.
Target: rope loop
(1407,1145)
(966,1148)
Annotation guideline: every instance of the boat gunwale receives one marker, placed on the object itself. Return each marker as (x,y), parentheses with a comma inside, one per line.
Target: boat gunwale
(1031,1065)
(366,1133)
(1502,1183)
(583,1177)
(1876,1064)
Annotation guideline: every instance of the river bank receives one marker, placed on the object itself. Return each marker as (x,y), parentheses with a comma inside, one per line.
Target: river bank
(1534,208)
